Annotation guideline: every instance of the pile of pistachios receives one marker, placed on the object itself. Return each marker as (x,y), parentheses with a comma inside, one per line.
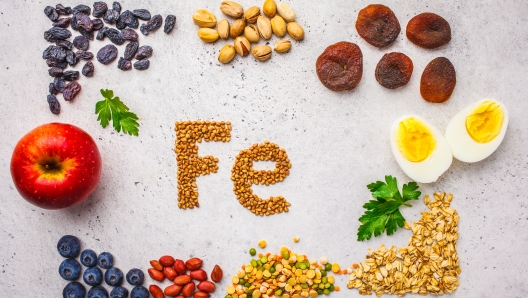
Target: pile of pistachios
(249,27)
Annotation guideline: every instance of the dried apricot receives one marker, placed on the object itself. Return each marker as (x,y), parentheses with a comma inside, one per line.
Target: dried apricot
(428,30)
(340,66)
(394,70)
(378,25)
(438,80)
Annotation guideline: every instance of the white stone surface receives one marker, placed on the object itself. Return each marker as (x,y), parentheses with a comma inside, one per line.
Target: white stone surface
(337,143)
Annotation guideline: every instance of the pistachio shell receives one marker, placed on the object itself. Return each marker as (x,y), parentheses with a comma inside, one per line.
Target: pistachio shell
(295,30)
(204,18)
(237,28)
(285,12)
(242,46)
(264,27)
(269,8)
(208,34)
(261,53)
(223,29)
(252,34)
(227,53)
(278,25)
(252,14)
(282,46)
(232,9)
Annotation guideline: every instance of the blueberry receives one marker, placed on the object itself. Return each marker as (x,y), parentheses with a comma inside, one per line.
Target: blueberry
(135,277)
(74,290)
(93,276)
(70,269)
(105,260)
(113,277)
(89,258)
(119,292)
(98,292)
(69,246)
(139,292)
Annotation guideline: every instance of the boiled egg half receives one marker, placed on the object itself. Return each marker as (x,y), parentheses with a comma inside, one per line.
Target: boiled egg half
(420,149)
(477,130)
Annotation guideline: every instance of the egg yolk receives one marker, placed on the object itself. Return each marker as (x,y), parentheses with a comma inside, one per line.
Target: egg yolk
(485,122)
(415,140)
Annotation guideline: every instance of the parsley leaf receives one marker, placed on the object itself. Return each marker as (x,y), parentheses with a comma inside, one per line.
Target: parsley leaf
(112,108)
(383,213)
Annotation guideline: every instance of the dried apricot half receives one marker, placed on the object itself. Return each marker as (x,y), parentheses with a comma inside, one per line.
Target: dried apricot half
(428,30)
(438,80)
(394,70)
(378,25)
(340,66)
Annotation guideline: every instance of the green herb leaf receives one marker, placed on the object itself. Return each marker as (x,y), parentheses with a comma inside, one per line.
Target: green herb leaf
(409,191)
(112,108)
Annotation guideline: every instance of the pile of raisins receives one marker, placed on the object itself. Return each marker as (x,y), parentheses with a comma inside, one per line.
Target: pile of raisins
(62,54)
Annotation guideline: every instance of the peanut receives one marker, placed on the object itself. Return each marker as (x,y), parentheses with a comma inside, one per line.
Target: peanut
(194,264)
(156,292)
(206,286)
(170,273)
(217,274)
(180,267)
(166,261)
(199,275)
(182,280)
(188,289)
(156,265)
(200,294)
(155,274)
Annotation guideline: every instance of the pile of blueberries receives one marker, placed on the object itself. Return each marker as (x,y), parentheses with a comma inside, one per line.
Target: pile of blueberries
(70,269)
(62,54)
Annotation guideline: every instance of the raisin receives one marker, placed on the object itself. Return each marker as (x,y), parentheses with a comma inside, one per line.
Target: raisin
(71,91)
(438,80)
(81,8)
(124,64)
(70,75)
(378,25)
(102,33)
(51,13)
(130,50)
(87,34)
(56,63)
(55,72)
(141,64)
(84,21)
(97,24)
(71,58)
(55,34)
(154,23)
(127,19)
(114,36)
(143,52)
(73,23)
(170,21)
(52,89)
(62,23)
(84,55)
(100,9)
(340,66)
(57,53)
(394,70)
(54,104)
(63,10)
(47,52)
(107,54)
(141,14)
(65,44)
(88,69)
(59,84)
(144,29)
(81,42)
(428,30)
(116,6)
(129,34)
(111,16)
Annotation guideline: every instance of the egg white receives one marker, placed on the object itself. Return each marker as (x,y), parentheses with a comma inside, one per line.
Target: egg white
(432,167)
(463,146)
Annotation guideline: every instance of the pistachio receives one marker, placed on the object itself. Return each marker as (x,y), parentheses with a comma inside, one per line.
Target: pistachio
(227,53)
(264,27)
(282,46)
(261,53)
(242,46)
(237,28)
(252,34)
(285,12)
(223,29)
(252,14)
(278,25)
(208,34)
(295,30)
(204,18)
(269,8)
(232,9)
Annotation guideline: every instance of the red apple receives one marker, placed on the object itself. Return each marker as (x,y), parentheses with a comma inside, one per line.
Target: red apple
(56,165)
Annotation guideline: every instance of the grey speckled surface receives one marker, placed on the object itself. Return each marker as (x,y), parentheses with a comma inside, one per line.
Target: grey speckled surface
(337,143)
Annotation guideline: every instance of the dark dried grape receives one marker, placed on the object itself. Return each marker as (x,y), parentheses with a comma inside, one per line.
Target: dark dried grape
(144,29)
(102,33)
(52,90)
(47,52)
(87,34)
(73,23)
(170,22)
(63,10)
(107,54)
(378,25)
(97,24)
(55,34)
(428,30)
(81,8)
(88,69)
(84,55)
(56,63)
(127,19)
(54,104)
(84,21)
(142,64)
(154,23)
(394,70)
(141,14)
(114,36)
(70,75)
(144,52)
(116,6)
(100,9)
(55,72)
(340,66)
(59,84)
(71,58)
(81,42)
(129,34)
(57,53)
(51,13)
(71,91)
(438,80)
(65,44)
(111,16)
(130,50)
(62,23)
(124,64)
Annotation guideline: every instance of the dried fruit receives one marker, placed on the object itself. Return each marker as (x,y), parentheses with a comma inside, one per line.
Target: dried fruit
(71,91)
(52,90)
(206,286)
(438,80)
(285,12)
(170,273)
(282,46)
(182,280)
(179,266)
(227,53)
(155,291)
(56,33)
(107,54)
(51,13)
(54,104)
(84,55)
(127,19)
(252,33)
(143,52)
(340,66)
(70,75)
(102,33)
(173,290)
(87,34)
(59,84)
(394,70)
(65,44)
(252,14)
(208,34)
(269,8)
(116,6)
(124,64)
(170,22)
(223,29)
(278,25)
(142,64)
(129,34)
(51,62)
(428,30)
(155,274)
(261,53)
(188,289)
(100,8)
(55,72)
(237,28)
(264,27)
(81,42)
(62,22)
(142,14)
(154,23)
(63,10)
(73,23)
(144,29)
(232,9)
(130,50)
(242,46)
(114,36)
(193,264)
(216,274)
(111,16)
(57,53)
(295,31)
(84,21)
(204,18)
(81,8)
(378,25)
(88,69)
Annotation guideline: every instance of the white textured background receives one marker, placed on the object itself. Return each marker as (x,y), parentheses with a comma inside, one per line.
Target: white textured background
(337,143)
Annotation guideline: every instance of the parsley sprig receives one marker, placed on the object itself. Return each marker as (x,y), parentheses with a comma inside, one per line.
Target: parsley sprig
(112,108)
(383,213)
